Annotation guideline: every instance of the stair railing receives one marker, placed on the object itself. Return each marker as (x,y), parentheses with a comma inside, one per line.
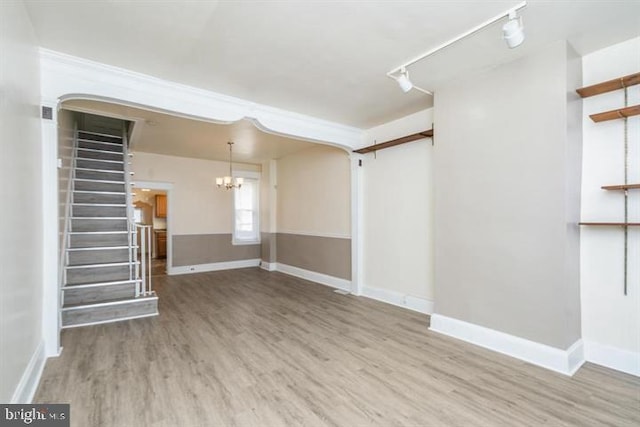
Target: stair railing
(65,243)
(139,270)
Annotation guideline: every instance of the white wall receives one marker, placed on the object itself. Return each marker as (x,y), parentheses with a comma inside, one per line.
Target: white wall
(507,167)
(197,205)
(21,252)
(267,197)
(313,215)
(314,192)
(398,215)
(610,320)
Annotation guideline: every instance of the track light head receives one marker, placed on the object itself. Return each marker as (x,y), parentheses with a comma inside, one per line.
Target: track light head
(513,31)
(403,81)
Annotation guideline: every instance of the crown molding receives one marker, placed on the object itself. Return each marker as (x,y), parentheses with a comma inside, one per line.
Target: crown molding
(66,77)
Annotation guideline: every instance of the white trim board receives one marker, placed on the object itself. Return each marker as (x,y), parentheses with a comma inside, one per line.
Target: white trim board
(70,77)
(566,362)
(323,279)
(30,379)
(269,266)
(612,357)
(421,305)
(214,266)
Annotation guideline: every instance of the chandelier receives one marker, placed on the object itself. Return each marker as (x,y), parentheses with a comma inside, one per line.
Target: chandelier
(228,181)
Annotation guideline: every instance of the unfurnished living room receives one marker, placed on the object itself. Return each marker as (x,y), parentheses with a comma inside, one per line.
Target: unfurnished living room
(320,213)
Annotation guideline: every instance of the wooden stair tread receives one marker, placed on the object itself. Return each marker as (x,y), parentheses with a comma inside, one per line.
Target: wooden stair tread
(114,301)
(98,284)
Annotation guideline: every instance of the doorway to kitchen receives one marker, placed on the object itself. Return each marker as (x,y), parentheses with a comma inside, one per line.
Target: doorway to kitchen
(151,208)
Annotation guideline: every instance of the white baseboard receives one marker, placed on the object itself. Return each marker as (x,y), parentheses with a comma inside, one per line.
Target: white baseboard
(313,276)
(269,266)
(30,379)
(566,362)
(612,357)
(214,266)
(421,305)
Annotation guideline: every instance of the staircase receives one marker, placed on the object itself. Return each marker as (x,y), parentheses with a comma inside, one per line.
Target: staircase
(103,279)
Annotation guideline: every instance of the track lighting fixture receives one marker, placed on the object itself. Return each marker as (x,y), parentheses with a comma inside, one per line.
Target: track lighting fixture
(512,31)
(403,81)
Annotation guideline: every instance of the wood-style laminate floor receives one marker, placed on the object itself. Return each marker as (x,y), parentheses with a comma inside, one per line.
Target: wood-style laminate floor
(252,348)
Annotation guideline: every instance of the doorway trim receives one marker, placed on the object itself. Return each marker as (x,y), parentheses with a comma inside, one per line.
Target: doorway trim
(168,187)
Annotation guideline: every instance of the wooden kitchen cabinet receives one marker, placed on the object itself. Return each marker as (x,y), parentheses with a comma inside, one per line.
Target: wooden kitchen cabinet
(161,206)
(161,244)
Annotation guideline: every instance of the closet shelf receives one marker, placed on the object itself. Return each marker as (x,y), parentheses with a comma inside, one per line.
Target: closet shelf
(621,187)
(619,113)
(619,224)
(393,143)
(609,86)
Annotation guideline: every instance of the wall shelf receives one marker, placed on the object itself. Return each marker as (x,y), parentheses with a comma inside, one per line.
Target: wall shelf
(393,143)
(612,224)
(609,86)
(623,113)
(621,187)
(619,113)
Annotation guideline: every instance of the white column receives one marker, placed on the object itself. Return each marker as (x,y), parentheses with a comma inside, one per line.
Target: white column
(50,270)
(357,250)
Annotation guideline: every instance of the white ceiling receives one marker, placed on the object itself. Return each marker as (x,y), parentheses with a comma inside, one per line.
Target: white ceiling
(327,59)
(160,133)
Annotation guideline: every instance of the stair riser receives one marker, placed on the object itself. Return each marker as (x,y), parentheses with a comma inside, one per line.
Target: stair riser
(105,176)
(97,164)
(98,146)
(98,225)
(78,276)
(105,138)
(107,313)
(99,293)
(99,211)
(96,155)
(112,199)
(101,256)
(98,240)
(98,186)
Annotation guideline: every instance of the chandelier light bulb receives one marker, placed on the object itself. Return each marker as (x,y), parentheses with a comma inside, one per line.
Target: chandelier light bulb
(227,181)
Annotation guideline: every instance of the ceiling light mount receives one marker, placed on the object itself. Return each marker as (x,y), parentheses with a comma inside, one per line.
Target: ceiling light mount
(513,31)
(403,81)
(513,34)
(402,78)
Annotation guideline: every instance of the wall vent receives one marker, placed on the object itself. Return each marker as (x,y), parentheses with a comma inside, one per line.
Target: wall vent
(47,113)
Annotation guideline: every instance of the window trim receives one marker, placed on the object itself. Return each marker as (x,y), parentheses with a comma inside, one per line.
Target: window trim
(243,242)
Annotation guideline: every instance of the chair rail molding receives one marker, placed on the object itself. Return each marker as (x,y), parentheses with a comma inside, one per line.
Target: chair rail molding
(68,77)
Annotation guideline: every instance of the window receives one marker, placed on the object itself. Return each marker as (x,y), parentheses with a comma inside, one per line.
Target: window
(246,227)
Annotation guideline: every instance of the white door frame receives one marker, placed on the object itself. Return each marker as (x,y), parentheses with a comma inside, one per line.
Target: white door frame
(168,187)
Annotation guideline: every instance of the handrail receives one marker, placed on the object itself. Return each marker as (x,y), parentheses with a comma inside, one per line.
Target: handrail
(64,244)
(140,271)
